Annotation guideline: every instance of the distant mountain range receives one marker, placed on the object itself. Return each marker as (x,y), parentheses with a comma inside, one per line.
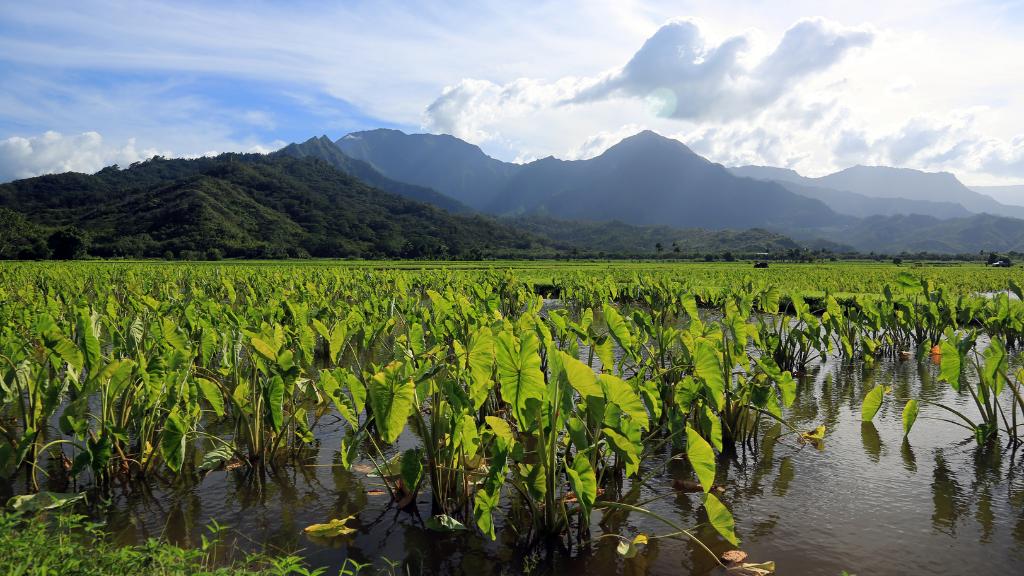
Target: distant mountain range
(387,193)
(648,179)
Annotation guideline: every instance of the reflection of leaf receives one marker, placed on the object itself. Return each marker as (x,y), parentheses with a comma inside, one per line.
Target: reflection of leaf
(43,501)
(871,440)
(334,528)
(785,476)
(444,523)
(759,569)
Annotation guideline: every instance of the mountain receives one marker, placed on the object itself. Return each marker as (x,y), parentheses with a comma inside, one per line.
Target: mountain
(618,238)
(886,182)
(847,202)
(916,233)
(648,179)
(251,206)
(324,149)
(1012,195)
(444,163)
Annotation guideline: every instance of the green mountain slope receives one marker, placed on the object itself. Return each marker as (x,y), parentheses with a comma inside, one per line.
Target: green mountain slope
(251,206)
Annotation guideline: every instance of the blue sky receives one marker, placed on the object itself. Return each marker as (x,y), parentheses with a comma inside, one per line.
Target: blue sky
(814,86)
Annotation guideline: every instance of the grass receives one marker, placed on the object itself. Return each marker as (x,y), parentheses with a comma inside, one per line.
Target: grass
(67,544)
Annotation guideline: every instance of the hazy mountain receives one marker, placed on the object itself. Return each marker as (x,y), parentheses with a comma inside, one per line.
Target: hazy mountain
(886,182)
(852,203)
(451,166)
(650,179)
(324,149)
(252,206)
(1012,195)
(618,238)
(916,233)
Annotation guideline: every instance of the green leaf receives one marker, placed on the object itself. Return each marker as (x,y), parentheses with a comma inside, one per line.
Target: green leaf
(484,504)
(444,523)
(619,393)
(584,483)
(909,416)
(392,397)
(581,377)
(720,518)
(709,369)
(480,359)
(43,501)
(411,468)
(619,330)
(172,441)
(275,402)
(872,402)
(264,348)
(90,343)
(212,394)
(701,457)
(520,376)
(949,368)
(214,459)
(625,449)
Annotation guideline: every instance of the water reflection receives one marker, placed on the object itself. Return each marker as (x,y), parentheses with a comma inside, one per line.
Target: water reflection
(935,502)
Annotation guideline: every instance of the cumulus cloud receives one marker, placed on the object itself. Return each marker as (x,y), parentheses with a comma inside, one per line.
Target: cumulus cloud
(677,74)
(691,79)
(53,152)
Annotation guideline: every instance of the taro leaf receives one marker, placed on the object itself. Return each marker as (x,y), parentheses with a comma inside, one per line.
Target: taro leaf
(581,377)
(43,501)
(629,548)
(1016,289)
(520,376)
(619,393)
(909,416)
(702,458)
(466,435)
(90,343)
(584,483)
(484,504)
(816,435)
(411,469)
(214,459)
(212,394)
(618,329)
(391,397)
(480,357)
(625,449)
(501,429)
(275,402)
(444,523)
(872,402)
(720,518)
(334,528)
(709,369)
(172,441)
(949,370)
(605,352)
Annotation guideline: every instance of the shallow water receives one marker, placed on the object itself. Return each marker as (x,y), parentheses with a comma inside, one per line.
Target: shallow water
(868,501)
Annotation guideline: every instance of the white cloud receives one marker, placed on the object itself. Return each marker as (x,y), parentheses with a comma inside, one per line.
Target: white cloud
(690,79)
(53,152)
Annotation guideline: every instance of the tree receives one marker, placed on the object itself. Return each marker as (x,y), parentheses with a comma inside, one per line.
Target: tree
(659,247)
(69,243)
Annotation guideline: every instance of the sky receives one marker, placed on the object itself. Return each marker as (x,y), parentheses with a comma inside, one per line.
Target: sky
(815,86)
